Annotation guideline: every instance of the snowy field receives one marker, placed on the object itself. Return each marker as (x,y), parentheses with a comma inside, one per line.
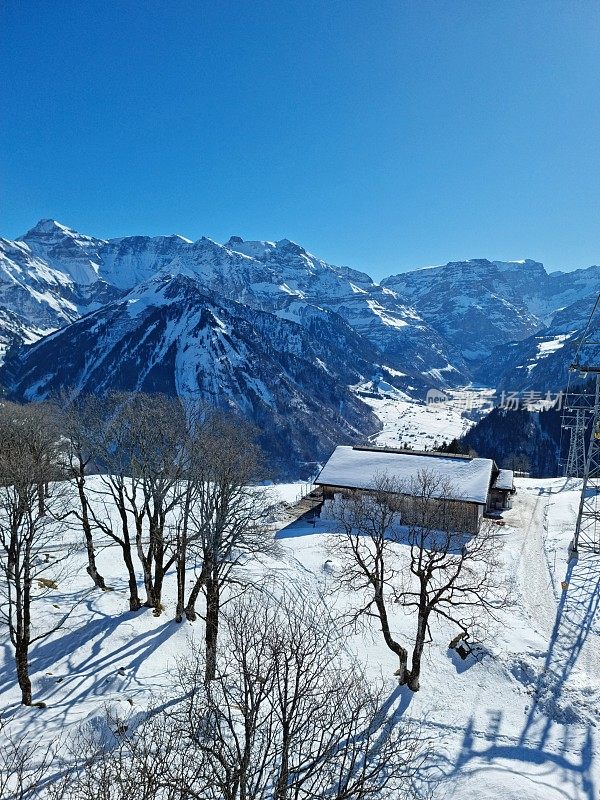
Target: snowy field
(520,723)
(420,425)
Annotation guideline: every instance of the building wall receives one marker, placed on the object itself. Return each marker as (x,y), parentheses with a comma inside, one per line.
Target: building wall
(456,515)
(500,499)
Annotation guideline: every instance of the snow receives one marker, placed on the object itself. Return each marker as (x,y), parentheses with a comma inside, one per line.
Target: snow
(552,345)
(406,422)
(386,318)
(520,723)
(359,469)
(505,479)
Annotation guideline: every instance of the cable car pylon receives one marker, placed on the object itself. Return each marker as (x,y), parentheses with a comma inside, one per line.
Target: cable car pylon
(587,364)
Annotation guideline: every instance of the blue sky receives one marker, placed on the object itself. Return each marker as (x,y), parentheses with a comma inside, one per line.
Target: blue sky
(383,135)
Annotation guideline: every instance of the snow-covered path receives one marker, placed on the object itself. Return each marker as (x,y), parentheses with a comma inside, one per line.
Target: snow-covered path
(551,751)
(533,580)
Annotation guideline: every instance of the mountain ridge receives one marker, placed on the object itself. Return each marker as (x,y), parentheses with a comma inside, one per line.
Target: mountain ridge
(68,320)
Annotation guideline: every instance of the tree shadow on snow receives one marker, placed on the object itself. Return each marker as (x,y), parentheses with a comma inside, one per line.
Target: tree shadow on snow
(62,678)
(553,723)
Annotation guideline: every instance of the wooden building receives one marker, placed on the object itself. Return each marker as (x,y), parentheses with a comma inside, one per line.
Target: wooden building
(502,490)
(468,486)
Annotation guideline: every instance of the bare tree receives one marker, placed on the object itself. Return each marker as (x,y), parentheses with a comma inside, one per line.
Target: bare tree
(133,758)
(287,715)
(105,441)
(24,765)
(136,441)
(370,564)
(453,575)
(405,544)
(226,524)
(75,420)
(158,430)
(29,462)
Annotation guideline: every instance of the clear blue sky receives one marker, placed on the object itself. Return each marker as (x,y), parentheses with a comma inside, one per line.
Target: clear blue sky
(384,135)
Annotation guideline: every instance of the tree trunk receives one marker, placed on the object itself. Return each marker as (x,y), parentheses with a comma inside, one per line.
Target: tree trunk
(21,661)
(180,570)
(282,787)
(159,571)
(395,647)
(402,671)
(41,500)
(134,598)
(212,628)
(91,568)
(150,601)
(190,609)
(415,671)
(181,559)
(23,630)
(145,561)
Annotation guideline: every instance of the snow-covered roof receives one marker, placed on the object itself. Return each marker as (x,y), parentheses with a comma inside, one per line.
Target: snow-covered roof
(357,468)
(505,479)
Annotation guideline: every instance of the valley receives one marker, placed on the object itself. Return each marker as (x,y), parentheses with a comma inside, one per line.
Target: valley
(422,426)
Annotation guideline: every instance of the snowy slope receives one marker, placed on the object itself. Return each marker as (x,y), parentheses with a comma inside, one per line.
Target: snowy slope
(520,724)
(36,297)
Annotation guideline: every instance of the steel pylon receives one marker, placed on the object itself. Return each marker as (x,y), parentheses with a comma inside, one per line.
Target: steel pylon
(587,364)
(587,528)
(575,422)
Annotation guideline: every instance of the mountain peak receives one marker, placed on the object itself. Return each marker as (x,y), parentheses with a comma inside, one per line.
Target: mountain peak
(291,247)
(45,227)
(254,249)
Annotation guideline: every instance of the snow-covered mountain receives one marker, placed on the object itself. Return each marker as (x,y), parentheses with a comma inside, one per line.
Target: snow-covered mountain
(541,362)
(515,324)
(278,277)
(476,304)
(290,278)
(166,335)
(37,296)
(299,331)
(284,279)
(65,250)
